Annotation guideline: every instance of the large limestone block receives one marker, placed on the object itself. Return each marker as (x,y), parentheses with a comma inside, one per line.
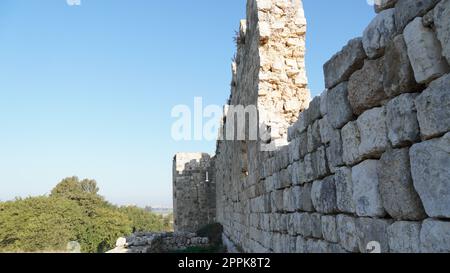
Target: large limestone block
(435,237)
(323,195)
(406,10)
(425,52)
(401,120)
(372,230)
(334,153)
(320,163)
(373,132)
(366,195)
(344,190)
(442,24)
(290,199)
(304,202)
(329,228)
(398,76)
(399,197)
(301,224)
(404,237)
(430,165)
(316,225)
(350,143)
(433,108)
(314,140)
(347,232)
(338,107)
(342,65)
(365,87)
(327,132)
(379,32)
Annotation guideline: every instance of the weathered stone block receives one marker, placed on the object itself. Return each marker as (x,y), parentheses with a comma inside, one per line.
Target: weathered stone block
(316,225)
(313,112)
(310,173)
(294,150)
(442,24)
(304,198)
(320,164)
(398,76)
(435,237)
(300,245)
(314,140)
(366,195)
(373,132)
(290,200)
(425,52)
(381,5)
(334,153)
(303,138)
(277,200)
(401,120)
(329,229)
(300,224)
(344,190)
(372,230)
(430,165)
(327,132)
(323,195)
(404,237)
(347,233)
(399,197)
(365,87)
(342,65)
(406,10)
(323,103)
(433,108)
(350,143)
(379,32)
(338,107)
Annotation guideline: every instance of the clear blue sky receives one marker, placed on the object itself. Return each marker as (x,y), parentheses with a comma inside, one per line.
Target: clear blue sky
(88,90)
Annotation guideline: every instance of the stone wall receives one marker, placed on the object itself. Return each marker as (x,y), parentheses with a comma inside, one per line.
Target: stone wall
(194,191)
(367,164)
(148,242)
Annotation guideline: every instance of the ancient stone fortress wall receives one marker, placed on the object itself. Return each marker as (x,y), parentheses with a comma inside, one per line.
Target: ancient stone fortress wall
(367,164)
(194,191)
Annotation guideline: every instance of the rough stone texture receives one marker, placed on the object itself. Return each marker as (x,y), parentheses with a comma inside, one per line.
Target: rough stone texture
(379,32)
(344,190)
(435,237)
(304,198)
(350,143)
(404,237)
(373,132)
(366,195)
(425,52)
(400,199)
(194,190)
(338,107)
(323,195)
(381,5)
(372,230)
(347,233)
(406,10)
(401,120)
(301,223)
(329,228)
(142,242)
(316,224)
(430,163)
(339,68)
(313,134)
(442,23)
(433,108)
(398,76)
(365,87)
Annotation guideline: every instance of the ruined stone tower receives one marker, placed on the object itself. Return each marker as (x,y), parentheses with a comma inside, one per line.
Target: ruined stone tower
(194,191)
